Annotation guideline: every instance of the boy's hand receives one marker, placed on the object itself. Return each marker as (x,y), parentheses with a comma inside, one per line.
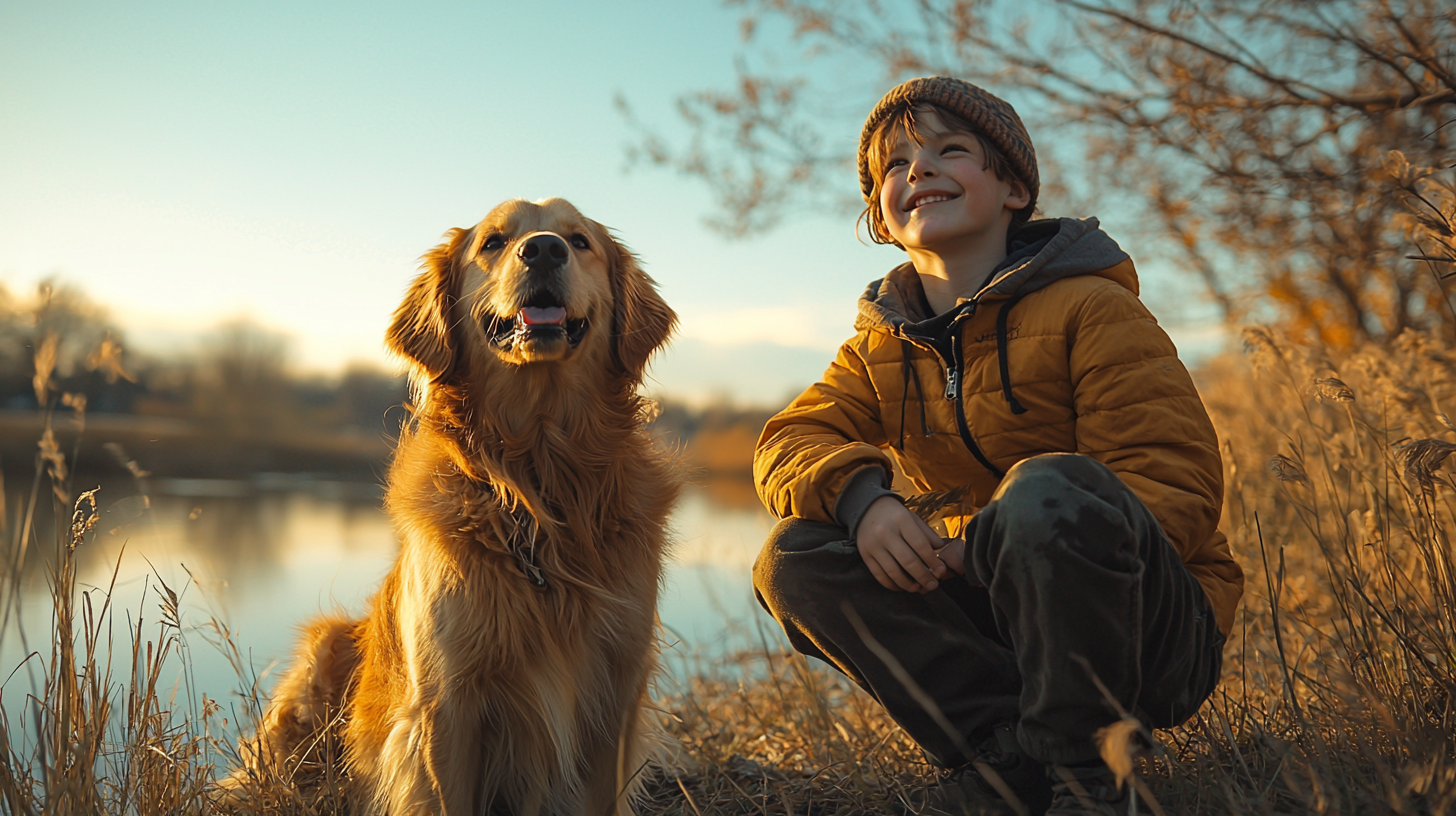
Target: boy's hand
(900,549)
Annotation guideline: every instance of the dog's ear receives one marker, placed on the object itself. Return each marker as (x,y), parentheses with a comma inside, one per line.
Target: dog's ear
(641,320)
(420,331)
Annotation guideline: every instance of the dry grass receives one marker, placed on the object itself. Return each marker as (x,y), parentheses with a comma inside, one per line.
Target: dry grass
(1338,687)
(89,742)
(765,731)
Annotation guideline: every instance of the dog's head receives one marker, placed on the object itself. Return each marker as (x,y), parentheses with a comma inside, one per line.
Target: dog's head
(534,284)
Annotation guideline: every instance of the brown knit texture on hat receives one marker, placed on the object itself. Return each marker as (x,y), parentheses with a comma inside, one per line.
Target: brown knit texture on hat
(993,118)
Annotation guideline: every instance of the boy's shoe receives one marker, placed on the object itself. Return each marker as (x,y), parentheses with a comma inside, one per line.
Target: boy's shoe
(965,791)
(1088,790)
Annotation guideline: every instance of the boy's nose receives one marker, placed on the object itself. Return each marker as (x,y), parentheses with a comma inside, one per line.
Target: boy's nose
(919,169)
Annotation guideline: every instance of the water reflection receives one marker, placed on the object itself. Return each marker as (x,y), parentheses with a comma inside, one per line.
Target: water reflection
(261,556)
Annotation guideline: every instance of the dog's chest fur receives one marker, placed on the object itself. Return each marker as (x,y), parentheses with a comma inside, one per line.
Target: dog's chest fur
(599,558)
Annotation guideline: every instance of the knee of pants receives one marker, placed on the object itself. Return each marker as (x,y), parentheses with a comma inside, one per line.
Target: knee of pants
(1053,474)
(786,574)
(1051,505)
(1036,491)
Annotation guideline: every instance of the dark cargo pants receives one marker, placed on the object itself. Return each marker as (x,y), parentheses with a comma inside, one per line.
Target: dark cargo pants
(1068,561)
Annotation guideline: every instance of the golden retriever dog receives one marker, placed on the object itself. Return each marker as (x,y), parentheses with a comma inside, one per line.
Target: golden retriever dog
(504,665)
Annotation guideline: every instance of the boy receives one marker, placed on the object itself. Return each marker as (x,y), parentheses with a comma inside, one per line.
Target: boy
(1012,360)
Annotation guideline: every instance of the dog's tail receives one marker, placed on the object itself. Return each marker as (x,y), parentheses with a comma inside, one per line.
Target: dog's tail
(298,742)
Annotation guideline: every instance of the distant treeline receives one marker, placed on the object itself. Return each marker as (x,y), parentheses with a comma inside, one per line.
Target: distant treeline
(232,403)
(717,439)
(237,379)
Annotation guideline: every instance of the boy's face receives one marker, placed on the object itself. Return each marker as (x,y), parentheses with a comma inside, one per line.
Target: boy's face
(939,195)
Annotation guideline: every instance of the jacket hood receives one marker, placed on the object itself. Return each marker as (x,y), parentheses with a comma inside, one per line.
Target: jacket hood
(1040,253)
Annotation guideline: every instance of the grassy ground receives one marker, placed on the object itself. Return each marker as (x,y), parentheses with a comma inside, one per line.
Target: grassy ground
(1339,676)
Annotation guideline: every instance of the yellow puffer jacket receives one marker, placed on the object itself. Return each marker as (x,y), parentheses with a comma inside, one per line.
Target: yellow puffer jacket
(1055,354)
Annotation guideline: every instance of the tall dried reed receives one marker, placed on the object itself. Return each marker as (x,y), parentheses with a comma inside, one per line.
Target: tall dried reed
(85,740)
(1339,681)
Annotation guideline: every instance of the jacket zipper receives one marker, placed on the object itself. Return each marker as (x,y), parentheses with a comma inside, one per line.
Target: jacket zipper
(952,384)
(954,391)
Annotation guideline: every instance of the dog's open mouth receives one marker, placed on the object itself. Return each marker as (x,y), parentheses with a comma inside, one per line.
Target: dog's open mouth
(541,318)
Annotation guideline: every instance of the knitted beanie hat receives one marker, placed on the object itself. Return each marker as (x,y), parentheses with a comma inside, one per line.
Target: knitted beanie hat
(991,116)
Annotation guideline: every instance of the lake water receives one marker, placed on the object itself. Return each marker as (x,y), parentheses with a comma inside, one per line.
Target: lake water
(262,556)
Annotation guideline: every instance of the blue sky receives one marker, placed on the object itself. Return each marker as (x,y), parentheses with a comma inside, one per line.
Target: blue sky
(186,163)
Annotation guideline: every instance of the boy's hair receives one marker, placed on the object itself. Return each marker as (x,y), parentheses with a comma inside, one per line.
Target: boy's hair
(961,106)
(882,142)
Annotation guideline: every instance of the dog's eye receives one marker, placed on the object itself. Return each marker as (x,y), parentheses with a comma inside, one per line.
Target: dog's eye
(580,242)
(493,243)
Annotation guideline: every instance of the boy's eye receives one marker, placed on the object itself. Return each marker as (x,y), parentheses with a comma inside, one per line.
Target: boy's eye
(948,148)
(893,163)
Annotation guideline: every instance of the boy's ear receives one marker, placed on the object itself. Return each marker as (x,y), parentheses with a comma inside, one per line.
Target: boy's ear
(1019,196)
(420,331)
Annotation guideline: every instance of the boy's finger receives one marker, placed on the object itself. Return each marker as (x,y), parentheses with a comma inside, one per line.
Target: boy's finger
(925,530)
(880,576)
(924,549)
(914,565)
(933,539)
(897,574)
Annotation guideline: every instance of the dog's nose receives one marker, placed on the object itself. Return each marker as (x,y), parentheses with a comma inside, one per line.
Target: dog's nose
(544,251)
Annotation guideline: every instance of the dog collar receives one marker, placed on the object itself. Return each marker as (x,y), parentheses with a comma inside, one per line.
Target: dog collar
(522,545)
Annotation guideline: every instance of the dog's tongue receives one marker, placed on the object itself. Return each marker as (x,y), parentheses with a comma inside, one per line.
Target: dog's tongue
(547,315)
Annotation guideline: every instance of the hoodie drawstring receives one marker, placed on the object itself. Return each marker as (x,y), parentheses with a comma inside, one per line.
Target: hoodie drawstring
(907,369)
(1001,357)
(907,376)
(919,394)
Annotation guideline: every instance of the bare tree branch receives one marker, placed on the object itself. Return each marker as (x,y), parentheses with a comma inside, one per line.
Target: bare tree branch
(1244,137)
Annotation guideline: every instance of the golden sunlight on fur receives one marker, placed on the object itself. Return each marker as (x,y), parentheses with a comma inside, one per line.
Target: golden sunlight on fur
(504,665)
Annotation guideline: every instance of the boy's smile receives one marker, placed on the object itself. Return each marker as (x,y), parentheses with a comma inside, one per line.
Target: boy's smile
(923,199)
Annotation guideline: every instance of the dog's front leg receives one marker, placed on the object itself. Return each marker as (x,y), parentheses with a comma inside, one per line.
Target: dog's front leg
(452,756)
(431,763)
(619,766)
(399,776)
